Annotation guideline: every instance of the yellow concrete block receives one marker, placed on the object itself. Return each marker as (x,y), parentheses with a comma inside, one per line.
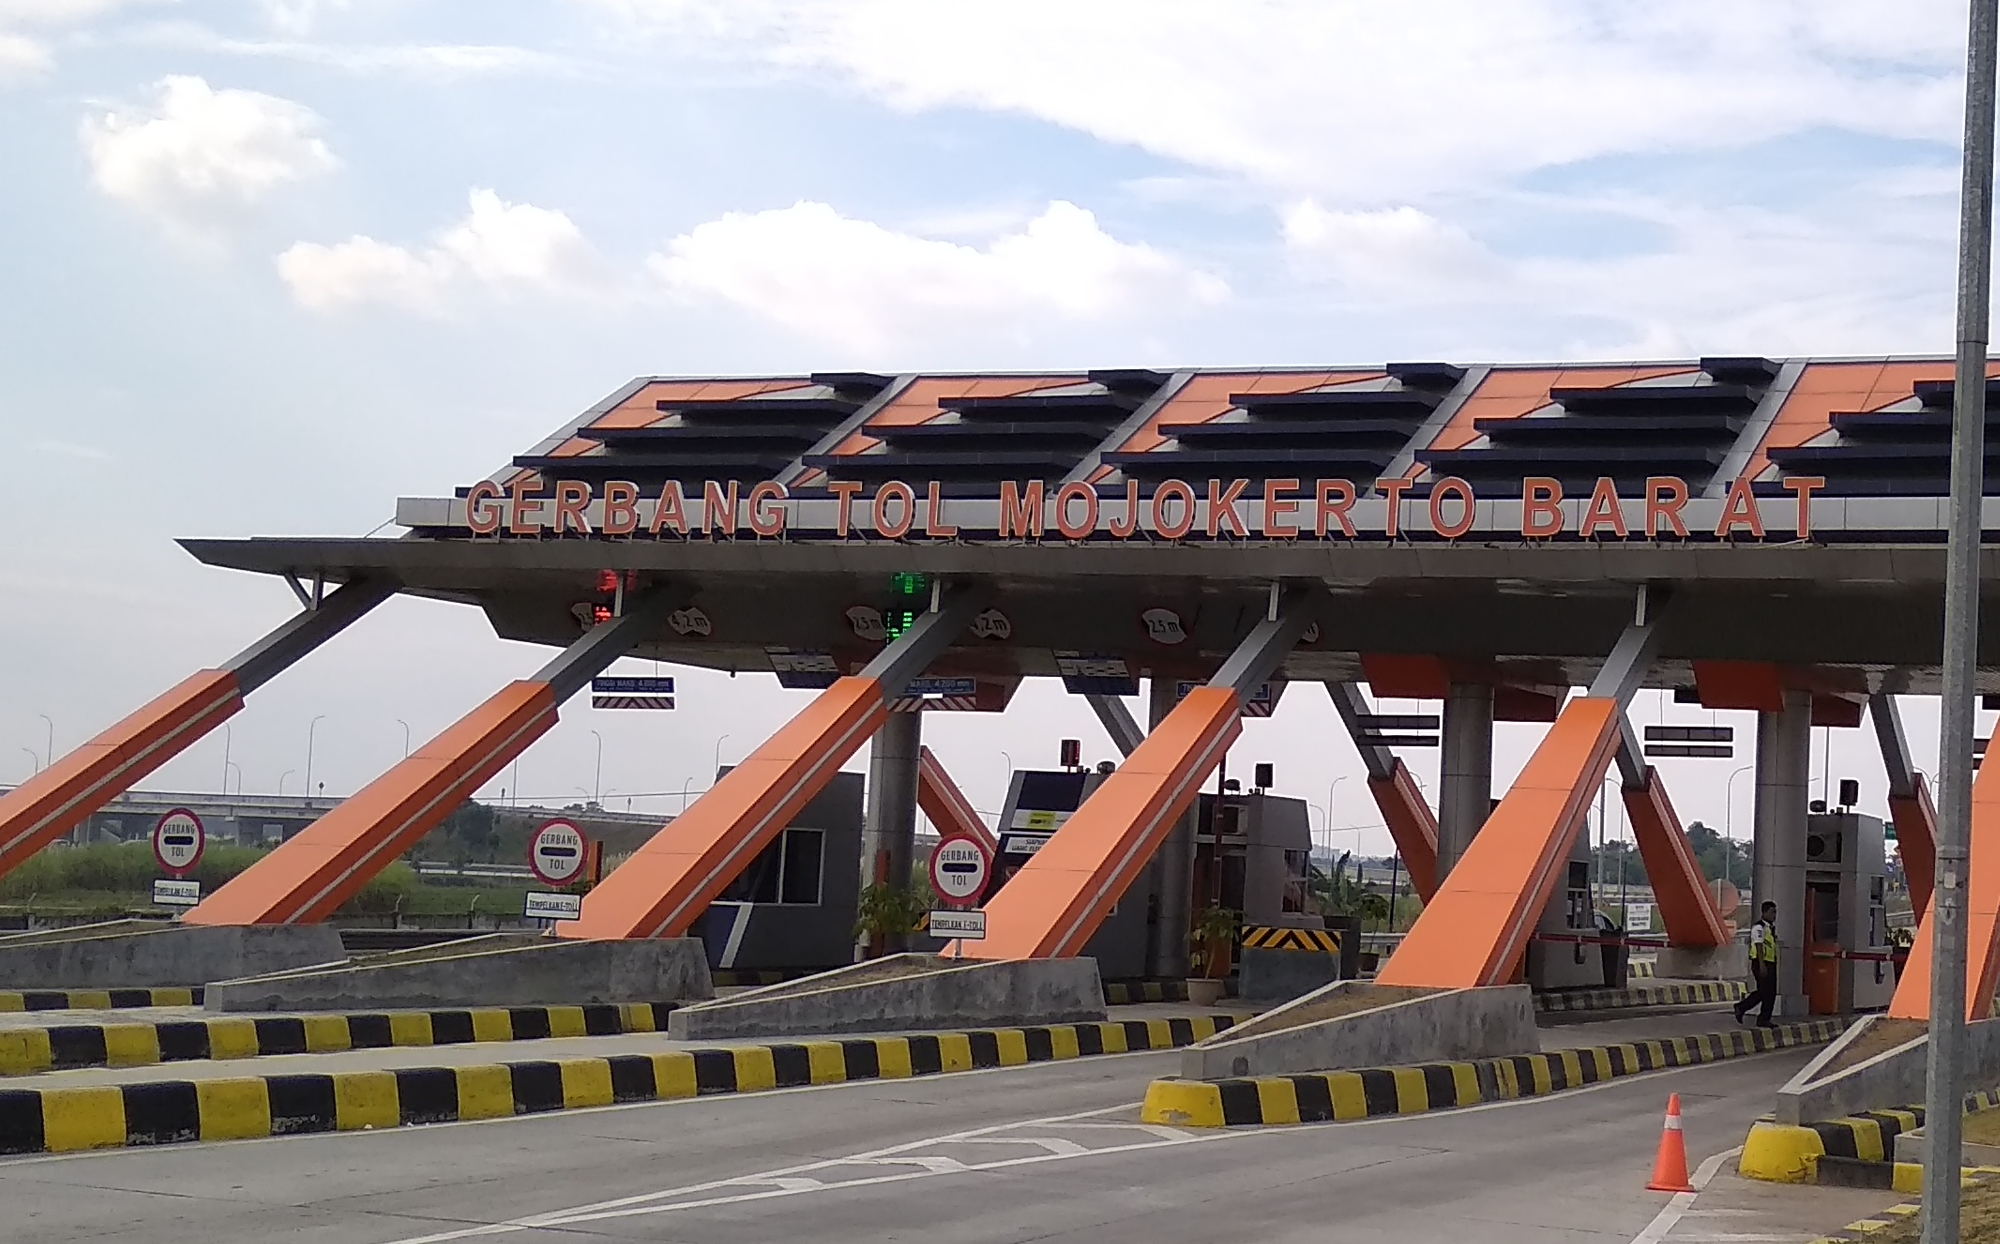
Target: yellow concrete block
(1781,1153)
(90,1000)
(492,1024)
(327,1034)
(673,1076)
(826,1062)
(1182,1103)
(566,1021)
(1277,1101)
(585,1082)
(1062,1042)
(485,1092)
(1013,1045)
(955,1051)
(892,1058)
(131,1045)
(1508,1078)
(1412,1094)
(754,1069)
(89,1118)
(635,1017)
(365,1099)
(411,1028)
(233,1109)
(1908,1177)
(24,1051)
(1572,1068)
(1114,1038)
(10,1001)
(173,997)
(1350,1099)
(1465,1078)
(232,1038)
(1158,1035)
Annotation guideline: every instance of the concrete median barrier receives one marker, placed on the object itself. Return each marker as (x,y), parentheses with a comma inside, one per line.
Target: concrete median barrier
(1354,1024)
(135,954)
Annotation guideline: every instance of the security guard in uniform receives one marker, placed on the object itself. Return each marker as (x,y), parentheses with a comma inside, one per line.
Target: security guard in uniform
(1763,967)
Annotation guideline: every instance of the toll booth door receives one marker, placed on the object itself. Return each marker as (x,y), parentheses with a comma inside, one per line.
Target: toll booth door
(1822,969)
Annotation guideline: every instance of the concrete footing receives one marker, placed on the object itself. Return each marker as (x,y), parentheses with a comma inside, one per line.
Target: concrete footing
(904,993)
(1880,1064)
(1704,963)
(500,970)
(1357,1024)
(135,954)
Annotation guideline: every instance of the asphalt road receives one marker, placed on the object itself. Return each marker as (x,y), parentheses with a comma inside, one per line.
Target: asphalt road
(1046,1153)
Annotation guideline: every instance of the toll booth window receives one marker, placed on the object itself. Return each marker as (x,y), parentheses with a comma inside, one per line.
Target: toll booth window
(1294,897)
(1052,792)
(1825,909)
(787,871)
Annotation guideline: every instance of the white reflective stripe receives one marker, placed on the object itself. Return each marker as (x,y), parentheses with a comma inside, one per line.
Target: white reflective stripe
(1673,1123)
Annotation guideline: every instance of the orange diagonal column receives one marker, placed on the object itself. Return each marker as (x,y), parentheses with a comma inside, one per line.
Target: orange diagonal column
(950,811)
(1982,917)
(1678,886)
(327,863)
(1476,928)
(1051,907)
(55,800)
(1411,823)
(1915,819)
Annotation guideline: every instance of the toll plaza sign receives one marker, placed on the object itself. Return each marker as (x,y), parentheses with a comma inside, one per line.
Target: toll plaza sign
(1450,508)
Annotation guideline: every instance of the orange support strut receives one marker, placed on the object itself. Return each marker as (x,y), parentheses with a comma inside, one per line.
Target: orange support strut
(1982,917)
(1678,886)
(327,863)
(950,811)
(669,882)
(1052,906)
(1915,819)
(1412,824)
(1476,928)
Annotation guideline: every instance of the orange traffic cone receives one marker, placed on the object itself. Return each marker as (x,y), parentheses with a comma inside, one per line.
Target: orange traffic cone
(1670,1169)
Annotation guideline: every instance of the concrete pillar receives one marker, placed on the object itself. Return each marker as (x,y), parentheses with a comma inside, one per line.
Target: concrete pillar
(888,837)
(1778,850)
(1465,771)
(1173,865)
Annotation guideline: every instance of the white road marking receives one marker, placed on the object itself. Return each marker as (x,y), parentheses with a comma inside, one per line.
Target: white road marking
(1673,1211)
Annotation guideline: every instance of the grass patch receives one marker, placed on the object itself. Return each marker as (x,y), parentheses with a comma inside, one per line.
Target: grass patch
(1978,1218)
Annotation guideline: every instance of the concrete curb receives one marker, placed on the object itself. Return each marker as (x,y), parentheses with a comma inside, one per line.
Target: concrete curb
(96,999)
(174,1111)
(24,1051)
(1862,1148)
(1126,993)
(1863,1228)
(1338,1096)
(1687,994)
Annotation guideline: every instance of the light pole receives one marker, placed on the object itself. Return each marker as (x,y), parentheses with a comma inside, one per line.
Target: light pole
(406,737)
(717,766)
(684,793)
(33,760)
(311,727)
(281,779)
(227,766)
(597,781)
(1729,821)
(1331,787)
(228,741)
(49,752)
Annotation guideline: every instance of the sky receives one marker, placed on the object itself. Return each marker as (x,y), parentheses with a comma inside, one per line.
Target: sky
(269,264)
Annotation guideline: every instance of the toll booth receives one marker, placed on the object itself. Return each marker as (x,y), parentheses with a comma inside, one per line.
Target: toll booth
(793,906)
(1847,965)
(1258,866)
(1567,950)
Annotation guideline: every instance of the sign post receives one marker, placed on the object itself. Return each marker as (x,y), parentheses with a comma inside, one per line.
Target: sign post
(557,852)
(960,867)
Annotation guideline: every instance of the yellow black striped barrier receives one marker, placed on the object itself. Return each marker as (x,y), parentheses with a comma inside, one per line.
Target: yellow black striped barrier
(171,1111)
(95,999)
(1126,993)
(24,1051)
(1787,1153)
(1264,937)
(1640,970)
(1684,994)
(1337,1096)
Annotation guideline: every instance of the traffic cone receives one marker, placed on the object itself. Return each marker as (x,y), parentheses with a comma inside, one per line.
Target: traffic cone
(1670,1169)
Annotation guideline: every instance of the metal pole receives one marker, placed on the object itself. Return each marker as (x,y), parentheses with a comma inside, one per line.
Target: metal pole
(310,729)
(1944,1092)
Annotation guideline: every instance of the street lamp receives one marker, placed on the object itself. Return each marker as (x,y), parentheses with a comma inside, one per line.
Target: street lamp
(227,766)
(228,741)
(310,728)
(684,793)
(1729,822)
(33,759)
(281,779)
(50,751)
(717,766)
(597,782)
(406,737)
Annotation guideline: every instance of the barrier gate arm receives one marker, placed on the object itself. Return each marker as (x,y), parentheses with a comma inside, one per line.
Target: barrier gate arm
(946,805)
(1476,929)
(1404,810)
(1678,886)
(325,864)
(1912,999)
(670,881)
(1910,807)
(55,800)
(1117,722)
(1057,900)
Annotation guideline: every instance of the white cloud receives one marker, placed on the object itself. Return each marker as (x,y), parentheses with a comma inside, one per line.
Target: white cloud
(1396,249)
(1360,102)
(857,284)
(500,247)
(198,156)
(22,57)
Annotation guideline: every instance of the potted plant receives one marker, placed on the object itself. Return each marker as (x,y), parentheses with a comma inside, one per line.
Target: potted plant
(1212,941)
(886,914)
